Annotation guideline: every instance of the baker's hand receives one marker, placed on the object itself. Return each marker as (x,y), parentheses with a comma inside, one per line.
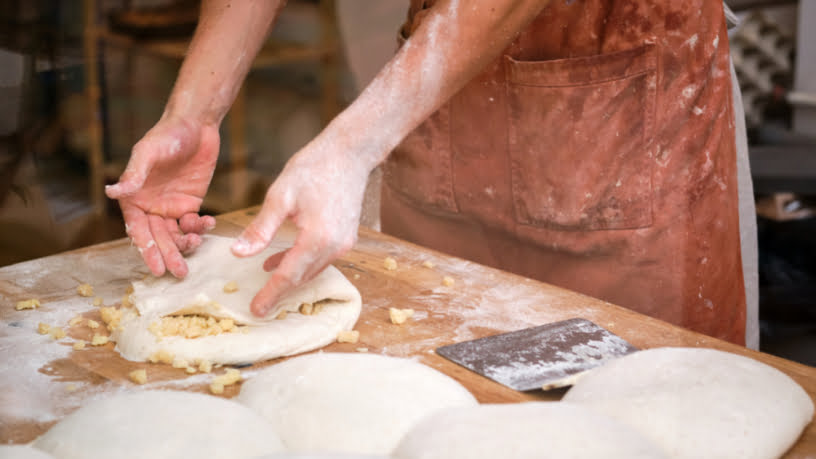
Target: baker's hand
(161,191)
(321,191)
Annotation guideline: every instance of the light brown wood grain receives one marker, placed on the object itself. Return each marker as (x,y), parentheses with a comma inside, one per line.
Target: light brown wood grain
(482,301)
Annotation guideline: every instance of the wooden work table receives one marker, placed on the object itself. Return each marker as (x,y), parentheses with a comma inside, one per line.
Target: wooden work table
(43,379)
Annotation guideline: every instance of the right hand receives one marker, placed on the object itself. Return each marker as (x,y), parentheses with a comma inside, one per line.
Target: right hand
(162,188)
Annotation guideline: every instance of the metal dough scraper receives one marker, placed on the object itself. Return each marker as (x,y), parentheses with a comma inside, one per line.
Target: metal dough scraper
(543,357)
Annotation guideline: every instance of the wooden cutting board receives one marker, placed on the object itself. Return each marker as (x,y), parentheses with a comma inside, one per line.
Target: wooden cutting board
(43,379)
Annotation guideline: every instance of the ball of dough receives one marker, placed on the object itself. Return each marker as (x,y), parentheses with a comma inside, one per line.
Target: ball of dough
(22,452)
(521,431)
(700,402)
(161,424)
(349,403)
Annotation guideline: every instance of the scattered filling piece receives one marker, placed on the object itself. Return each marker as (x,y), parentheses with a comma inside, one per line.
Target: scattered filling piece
(99,340)
(85,290)
(428,264)
(70,387)
(79,345)
(399,316)
(231,287)
(356,276)
(98,301)
(310,309)
(75,321)
(180,363)
(362,349)
(129,288)
(190,370)
(93,324)
(56,333)
(138,376)
(43,328)
(205,366)
(348,336)
(448,281)
(161,356)
(191,326)
(282,314)
(111,316)
(126,301)
(28,304)
(231,376)
(390,264)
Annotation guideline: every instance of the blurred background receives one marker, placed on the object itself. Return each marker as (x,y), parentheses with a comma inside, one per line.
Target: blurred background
(82,81)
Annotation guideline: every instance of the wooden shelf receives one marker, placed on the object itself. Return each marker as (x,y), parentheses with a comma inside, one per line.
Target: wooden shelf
(273,52)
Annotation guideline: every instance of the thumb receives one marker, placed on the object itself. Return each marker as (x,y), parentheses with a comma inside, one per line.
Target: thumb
(133,178)
(259,233)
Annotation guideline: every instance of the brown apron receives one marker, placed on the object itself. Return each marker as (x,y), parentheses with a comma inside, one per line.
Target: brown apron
(597,154)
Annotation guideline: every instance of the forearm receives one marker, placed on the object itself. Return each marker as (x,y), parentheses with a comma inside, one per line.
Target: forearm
(453,44)
(228,36)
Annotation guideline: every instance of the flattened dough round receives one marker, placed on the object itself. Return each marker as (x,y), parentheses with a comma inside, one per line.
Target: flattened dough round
(22,452)
(211,267)
(696,402)
(161,424)
(349,403)
(523,430)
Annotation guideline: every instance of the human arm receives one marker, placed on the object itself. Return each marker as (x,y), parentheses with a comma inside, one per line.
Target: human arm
(170,168)
(321,187)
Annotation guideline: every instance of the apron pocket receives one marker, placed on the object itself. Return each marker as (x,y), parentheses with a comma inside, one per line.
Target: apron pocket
(579,140)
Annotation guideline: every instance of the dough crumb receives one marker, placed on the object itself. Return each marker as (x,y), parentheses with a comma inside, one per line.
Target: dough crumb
(98,301)
(138,376)
(75,321)
(111,316)
(282,314)
(129,289)
(348,336)
(390,264)
(161,356)
(93,324)
(43,328)
(231,287)
(99,340)
(179,363)
(205,366)
(28,304)
(399,316)
(190,370)
(79,345)
(448,281)
(85,290)
(56,333)
(70,387)
(428,264)
(356,276)
(362,349)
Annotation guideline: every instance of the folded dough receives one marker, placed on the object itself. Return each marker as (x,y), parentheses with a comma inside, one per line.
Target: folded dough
(202,292)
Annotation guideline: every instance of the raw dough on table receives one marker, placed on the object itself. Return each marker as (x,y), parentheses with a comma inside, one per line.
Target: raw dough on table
(161,424)
(529,430)
(22,452)
(700,402)
(349,402)
(211,267)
